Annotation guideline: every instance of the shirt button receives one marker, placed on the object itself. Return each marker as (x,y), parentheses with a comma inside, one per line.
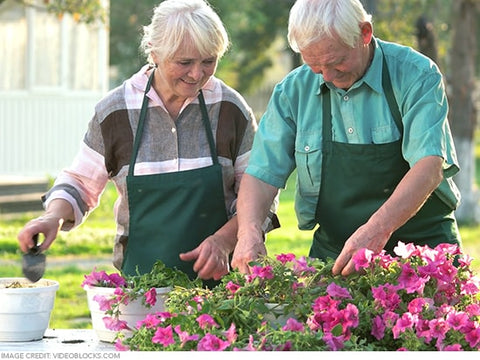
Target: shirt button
(307,148)
(350,130)
(346,98)
(174,130)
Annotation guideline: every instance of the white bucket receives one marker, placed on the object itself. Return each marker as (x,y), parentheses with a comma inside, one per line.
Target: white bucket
(131,313)
(25,311)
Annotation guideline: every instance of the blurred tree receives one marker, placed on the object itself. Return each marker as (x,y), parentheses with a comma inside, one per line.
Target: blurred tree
(426,39)
(463,112)
(253,26)
(127,19)
(87,11)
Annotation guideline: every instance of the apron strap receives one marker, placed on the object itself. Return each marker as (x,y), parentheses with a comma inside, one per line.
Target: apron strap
(141,123)
(326,117)
(392,102)
(208,128)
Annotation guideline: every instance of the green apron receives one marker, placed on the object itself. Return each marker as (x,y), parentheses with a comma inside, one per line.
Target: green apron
(172,213)
(358,178)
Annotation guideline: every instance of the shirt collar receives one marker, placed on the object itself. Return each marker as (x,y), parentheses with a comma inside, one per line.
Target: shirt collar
(372,78)
(139,80)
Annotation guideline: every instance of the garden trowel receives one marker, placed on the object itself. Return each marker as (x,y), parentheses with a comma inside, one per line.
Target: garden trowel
(33,265)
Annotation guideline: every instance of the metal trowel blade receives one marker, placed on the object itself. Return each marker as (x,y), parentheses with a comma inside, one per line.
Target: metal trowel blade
(33,264)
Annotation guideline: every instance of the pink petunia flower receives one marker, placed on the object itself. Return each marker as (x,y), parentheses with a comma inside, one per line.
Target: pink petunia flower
(473,309)
(472,336)
(350,316)
(205,320)
(438,328)
(211,342)
(263,272)
(422,330)
(121,296)
(104,303)
(337,291)
(446,248)
(231,333)
(96,278)
(457,320)
(114,324)
(301,266)
(150,321)
(470,286)
(184,336)
(117,280)
(406,321)
(417,305)
(285,258)
(465,260)
(362,259)
(410,281)
(454,347)
(386,297)
(164,336)
(334,343)
(119,346)
(446,272)
(323,303)
(378,327)
(151,297)
(232,287)
(405,251)
(293,325)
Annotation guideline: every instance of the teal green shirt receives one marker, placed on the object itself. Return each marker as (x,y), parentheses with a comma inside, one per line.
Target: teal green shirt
(289,136)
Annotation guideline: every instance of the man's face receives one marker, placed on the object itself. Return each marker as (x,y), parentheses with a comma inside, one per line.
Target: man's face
(339,64)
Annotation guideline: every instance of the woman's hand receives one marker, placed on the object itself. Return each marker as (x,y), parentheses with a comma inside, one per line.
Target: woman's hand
(211,258)
(47,225)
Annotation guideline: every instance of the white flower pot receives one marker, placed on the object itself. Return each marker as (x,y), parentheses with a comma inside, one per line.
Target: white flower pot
(25,311)
(131,313)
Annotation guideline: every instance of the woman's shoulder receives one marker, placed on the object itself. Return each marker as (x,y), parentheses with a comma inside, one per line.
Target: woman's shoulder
(112,101)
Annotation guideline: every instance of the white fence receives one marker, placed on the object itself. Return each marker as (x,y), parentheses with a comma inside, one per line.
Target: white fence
(40,134)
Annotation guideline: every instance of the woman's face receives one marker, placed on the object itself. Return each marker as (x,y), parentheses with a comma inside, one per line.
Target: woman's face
(184,74)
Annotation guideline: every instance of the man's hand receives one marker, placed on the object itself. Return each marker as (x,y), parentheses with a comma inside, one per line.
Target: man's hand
(366,236)
(245,252)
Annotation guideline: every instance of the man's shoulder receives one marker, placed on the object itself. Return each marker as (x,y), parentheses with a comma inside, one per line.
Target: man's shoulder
(402,56)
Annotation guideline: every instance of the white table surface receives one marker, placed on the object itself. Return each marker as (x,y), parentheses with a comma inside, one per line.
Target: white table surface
(58,340)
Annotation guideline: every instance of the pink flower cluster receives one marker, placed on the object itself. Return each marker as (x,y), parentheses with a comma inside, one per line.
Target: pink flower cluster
(424,298)
(102,279)
(122,295)
(431,316)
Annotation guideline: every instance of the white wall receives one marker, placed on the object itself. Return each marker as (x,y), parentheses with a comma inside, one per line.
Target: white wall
(52,72)
(40,134)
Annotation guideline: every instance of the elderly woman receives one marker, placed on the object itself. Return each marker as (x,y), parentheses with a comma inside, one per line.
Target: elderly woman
(175,141)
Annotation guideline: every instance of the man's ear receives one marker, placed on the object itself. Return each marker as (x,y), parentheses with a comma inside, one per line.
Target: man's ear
(366,31)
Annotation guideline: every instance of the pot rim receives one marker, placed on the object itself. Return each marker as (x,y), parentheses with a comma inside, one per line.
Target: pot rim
(39,286)
(104,289)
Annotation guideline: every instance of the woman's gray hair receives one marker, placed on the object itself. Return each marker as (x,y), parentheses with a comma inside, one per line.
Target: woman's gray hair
(312,20)
(176,21)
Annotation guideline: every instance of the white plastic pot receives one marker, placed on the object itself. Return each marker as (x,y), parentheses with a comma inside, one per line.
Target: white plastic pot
(131,313)
(25,311)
